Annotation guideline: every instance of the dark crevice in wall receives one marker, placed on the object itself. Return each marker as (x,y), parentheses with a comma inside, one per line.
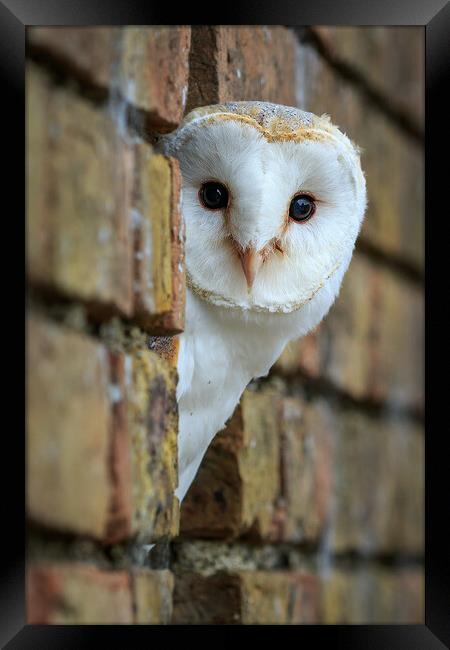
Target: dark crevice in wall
(46,543)
(51,545)
(391,109)
(115,332)
(215,555)
(356,559)
(201,67)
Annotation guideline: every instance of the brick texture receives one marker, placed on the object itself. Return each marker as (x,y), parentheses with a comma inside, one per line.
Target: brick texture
(306,462)
(149,69)
(239,63)
(101,443)
(373,596)
(308,507)
(152,596)
(246,597)
(153,423)
(378,502)
(68,430)
(103,216)
(399,53)
(77,594)
(159,279)
(79,174)
(341,475)
(237,482)
(371,343)
(395,188)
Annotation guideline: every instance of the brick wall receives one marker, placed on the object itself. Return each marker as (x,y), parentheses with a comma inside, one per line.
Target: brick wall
(309,506)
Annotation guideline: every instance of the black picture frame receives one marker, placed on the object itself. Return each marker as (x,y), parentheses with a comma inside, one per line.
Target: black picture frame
(434,15)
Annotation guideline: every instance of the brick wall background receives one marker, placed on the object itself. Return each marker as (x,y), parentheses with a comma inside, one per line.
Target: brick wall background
(309,506)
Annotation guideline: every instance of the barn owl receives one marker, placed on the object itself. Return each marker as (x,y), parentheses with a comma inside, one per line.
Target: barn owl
(273,199)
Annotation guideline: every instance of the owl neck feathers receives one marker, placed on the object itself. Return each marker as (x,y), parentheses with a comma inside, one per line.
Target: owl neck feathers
(221,351)
(250,340)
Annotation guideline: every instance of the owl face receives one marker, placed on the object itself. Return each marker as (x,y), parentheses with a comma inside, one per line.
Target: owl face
(273,199)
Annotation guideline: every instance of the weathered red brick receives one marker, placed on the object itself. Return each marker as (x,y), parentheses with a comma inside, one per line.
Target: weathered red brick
(371,343)
(79,173)
(101,443)
(120,509)
(155,69)
(241,63)
(68,429)
(373,595)
(399,52)
(238,480)
(147,66)
(246,597)
(152,596)
(159,285)
(278,597)
(306,494)
(92,199)
(153,426)
(378,486)
(392,161)
(76,594)
(88,51)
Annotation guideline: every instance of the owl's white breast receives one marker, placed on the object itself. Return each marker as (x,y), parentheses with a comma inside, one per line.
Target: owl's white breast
(218,357)
(221,351)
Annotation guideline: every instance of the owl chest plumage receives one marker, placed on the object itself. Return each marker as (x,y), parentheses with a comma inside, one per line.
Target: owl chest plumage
(220,353)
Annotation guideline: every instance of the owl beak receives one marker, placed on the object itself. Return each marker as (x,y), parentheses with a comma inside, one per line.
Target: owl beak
(251,261)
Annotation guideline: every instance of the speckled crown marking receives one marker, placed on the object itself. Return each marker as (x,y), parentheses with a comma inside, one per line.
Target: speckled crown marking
(275,122)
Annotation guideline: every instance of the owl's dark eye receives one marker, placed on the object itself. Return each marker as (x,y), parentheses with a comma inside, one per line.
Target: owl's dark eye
(302,208)
(213,195)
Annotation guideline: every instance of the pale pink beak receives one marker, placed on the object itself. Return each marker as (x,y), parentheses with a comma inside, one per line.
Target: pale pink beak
(251,261)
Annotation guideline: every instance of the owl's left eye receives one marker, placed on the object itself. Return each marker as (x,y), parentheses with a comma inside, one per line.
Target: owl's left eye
(213,195)
(302,208)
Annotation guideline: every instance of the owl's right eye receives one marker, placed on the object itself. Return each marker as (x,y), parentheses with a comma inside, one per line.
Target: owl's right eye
(213,195)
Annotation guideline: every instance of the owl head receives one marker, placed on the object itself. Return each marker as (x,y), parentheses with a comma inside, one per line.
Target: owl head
(273,199)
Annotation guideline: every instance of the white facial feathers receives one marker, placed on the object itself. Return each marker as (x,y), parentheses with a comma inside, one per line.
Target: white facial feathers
(264,155)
